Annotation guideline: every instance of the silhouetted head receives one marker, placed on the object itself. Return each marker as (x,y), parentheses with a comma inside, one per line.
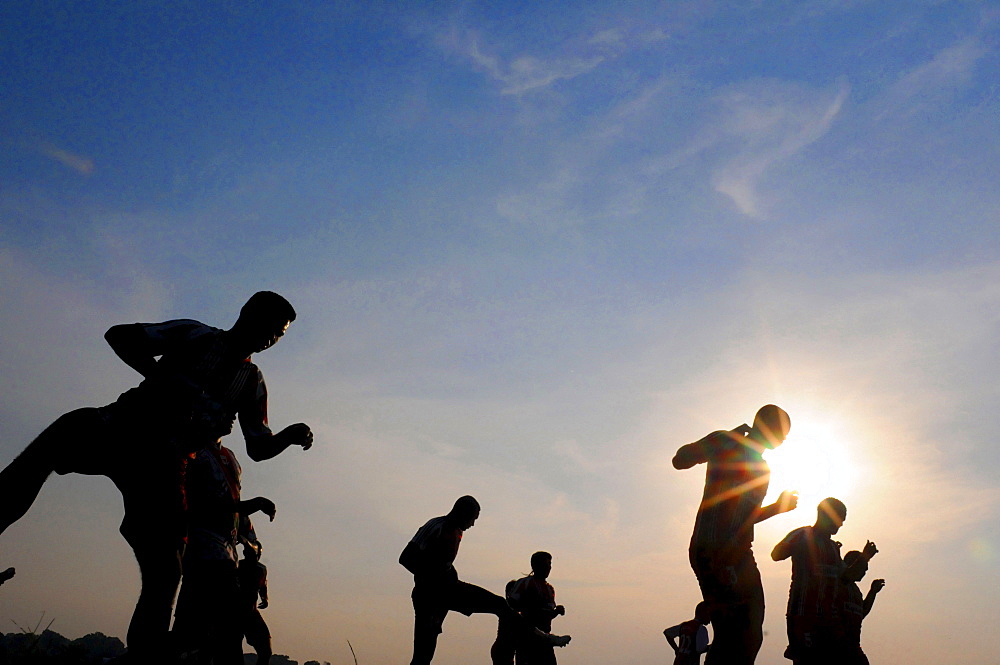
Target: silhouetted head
(703,613)
(262,321)
(771,425)
(541,564)
(855,571)
(464,513)
(830,515)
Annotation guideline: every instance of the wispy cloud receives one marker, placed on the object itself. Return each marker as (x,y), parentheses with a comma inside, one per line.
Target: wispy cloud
(79,163)
(933,83)
(525,73)
(770,125)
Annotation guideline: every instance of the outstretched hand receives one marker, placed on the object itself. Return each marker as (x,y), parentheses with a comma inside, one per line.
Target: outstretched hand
(788,500)
(877,585)
(870,550)
(265,506)
(298,434)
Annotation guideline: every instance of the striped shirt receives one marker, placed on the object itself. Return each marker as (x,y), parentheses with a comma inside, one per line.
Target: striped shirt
(435,546)
(201,385)
(816,570)
(736,481)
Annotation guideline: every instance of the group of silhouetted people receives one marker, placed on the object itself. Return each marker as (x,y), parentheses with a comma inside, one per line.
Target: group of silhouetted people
(524,615)
(825,605)
(160,443)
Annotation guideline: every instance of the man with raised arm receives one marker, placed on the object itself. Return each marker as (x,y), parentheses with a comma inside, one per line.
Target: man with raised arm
(812,616)
(736,481)
(196,380)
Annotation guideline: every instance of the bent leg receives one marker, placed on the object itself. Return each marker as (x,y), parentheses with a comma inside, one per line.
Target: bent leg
(52,450)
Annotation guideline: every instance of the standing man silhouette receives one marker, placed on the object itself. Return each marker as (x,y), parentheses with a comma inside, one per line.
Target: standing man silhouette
(736,481)
(196,380)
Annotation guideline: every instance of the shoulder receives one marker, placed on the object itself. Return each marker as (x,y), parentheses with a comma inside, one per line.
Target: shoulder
(723,441)
(797,535)
(188,328)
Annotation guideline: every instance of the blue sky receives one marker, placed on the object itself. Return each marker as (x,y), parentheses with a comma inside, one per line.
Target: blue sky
(533,250)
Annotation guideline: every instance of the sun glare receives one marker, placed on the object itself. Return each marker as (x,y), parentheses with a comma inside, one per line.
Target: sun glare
(815,461)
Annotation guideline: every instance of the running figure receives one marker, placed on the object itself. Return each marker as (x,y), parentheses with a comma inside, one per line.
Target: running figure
(736,482)
(816,570)
(690,639)
(189,398)
(430,556)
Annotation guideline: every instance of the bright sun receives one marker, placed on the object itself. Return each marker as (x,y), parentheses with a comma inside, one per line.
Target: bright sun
(815,461)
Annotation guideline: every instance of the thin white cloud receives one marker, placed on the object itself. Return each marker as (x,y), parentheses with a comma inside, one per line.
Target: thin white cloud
(770,123)
(526,73)
(79,163)
(933,83)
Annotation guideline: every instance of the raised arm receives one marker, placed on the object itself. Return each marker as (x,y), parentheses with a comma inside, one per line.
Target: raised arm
(136,349)
(699,451)
(877,585)
(787,501)
(265,446)
(787,546)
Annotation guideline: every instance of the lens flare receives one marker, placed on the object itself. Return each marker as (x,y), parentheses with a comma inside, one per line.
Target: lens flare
(816,462)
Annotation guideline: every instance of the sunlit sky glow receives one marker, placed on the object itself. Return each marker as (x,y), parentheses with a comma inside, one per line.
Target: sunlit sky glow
(534,248)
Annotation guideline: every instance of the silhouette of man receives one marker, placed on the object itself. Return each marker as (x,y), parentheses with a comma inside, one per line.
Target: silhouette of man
(188,398)
(720,552)
(252,576)
(816,569)
(535,600)
(209,614)
(852,607)
(430,556)
(690,639)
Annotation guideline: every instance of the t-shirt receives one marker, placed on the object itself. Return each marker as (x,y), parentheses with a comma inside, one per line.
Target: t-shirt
(692,641)
(816,569)
(213,496)
(200,386)
(535,599)
(851,608)
(736,480)
(433,549)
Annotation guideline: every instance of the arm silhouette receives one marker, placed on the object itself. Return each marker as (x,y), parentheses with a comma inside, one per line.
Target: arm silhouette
(264,447)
